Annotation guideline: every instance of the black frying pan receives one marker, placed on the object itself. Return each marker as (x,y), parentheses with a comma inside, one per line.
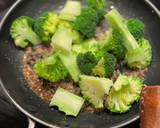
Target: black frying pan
(15,86)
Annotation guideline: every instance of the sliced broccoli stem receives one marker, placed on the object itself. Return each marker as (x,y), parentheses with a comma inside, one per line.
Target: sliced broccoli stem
(71,10)
(117,22)
(69,61)
(67,102)
(31,36)
(94,89)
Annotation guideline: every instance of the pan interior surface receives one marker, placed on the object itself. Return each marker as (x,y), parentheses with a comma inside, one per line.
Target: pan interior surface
(16,86)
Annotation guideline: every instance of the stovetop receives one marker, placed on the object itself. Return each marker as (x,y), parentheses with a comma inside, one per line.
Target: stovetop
(10,117)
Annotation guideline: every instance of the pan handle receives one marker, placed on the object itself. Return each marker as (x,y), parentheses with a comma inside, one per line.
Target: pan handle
(153,5)
(31,123)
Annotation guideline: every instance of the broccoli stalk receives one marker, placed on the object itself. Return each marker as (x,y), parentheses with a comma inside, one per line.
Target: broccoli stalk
(62,40)
(70,10)
(142,50)
(76,36)
(22,32)
(67,102)
(124,92)
(94,89)
(69,61)
(51,68)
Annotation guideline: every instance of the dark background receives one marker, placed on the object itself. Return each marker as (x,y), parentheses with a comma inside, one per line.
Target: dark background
(10,117)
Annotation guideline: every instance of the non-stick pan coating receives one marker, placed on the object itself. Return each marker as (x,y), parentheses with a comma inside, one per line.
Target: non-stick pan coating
(15,85)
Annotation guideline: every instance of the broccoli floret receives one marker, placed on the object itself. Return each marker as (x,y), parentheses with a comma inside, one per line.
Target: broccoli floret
(141,57)
(105,66)
(113,43)
(76,36)
(86,22)
(22,33)
(136,28)
(118,23)
(70,63)
(45,26)
(51,68)
(67,102)
(99,6)
(124,92)
(86,62)
(70,10)
(93,61)
(94,89)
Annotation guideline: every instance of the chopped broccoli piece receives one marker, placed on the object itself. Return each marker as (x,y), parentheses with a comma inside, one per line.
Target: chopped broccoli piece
(22,33)
(86,22)
(99,6)
(51,68)
(67,102)
(85,46)
(136,28)
(124,92)
(45,26)
(70,10)
(86,62)
(69,62)
(113,43)
(93,61)
(94,89)
(76,36)
(106,66)
(121,81)
(141,57)
(62,40)
(118,23)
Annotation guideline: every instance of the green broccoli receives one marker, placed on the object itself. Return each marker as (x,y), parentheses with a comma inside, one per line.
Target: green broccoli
(62,40)
(45,26)
(22,33)
(69,61)
(105,66)
(76,36)
(93,61)
(113,43)
(51,68)
(99,6)
(139,49)
(136,28)
(86,62)
(86,22)
(70,10)
(94,89)
(85,46)
(67,102)
(141,57)
(124,92)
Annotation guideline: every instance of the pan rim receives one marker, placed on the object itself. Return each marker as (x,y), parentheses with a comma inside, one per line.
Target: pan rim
(20,108)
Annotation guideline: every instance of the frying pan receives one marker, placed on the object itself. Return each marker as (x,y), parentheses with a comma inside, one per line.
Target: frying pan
(15,86)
